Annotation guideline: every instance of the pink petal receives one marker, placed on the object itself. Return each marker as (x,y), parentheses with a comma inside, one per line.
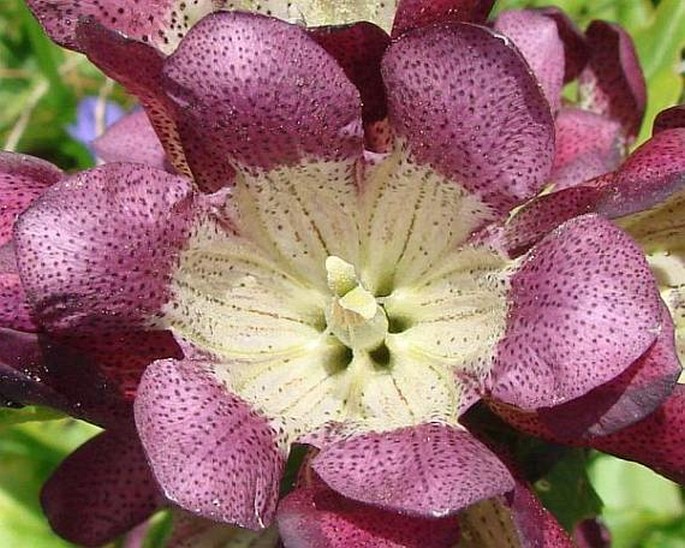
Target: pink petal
(245,91)
(575,45)
(15,312)
(429,470)
(157,22)
(630,397)
(112,53)
(587,145)
(651,174)
(96,249)
(101,490)
(415,14)
(314,516)
(22,180)
(670,118)
(584,307)
(537,38)
(468,106)
(132,139)
(358,48)
(612,84)
(211,453)
(657,441)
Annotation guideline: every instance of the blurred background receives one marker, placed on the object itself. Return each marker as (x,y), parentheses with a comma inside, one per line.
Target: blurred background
(54,101)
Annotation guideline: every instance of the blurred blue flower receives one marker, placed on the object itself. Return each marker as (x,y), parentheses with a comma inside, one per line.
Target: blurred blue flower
(87,126)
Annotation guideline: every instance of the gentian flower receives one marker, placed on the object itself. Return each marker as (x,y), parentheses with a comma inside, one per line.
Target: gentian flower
(594,131)
(328,295)
(85,130)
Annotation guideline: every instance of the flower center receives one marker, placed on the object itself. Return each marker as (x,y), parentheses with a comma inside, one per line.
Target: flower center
(353,315)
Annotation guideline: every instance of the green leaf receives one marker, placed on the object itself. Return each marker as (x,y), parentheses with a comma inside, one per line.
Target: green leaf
(640,507)
(9,417)
(567,492)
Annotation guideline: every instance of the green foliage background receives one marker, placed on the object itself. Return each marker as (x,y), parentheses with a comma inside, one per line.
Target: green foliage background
(40,87)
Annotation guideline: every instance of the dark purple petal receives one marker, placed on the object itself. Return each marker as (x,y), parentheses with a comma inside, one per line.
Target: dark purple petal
(575,45)
(538,218)
(22,380)
(101,490)
(587,145)
(245,91)
(415,14)
(313,516)
(584,307)
(537,38)
(211,453)
(112,53)
(429,470)
(477,116)
(359,49)
(591,533)
(22,180)
(670,118)
(95,250)
(132,139)
(15,312)
(657,441)
(612,83)
(651,174)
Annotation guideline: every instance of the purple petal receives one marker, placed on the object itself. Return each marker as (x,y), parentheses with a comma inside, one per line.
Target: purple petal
(358,49)
(477,116)
(160,23)
(211,453)
(96,249)
(670,118)
(651,174)
(584,307)
(15,312)
(542,215)
(112,53)
(587,145)
(429,470)
(245,93)
(131,139)
(537,38)
(101,490)
(575,45)
(657,441)
(612,84)
(314,515)
(630,397)
(22,180)
(415,14)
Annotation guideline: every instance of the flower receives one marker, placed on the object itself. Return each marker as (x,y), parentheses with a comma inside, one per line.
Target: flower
(89,120)
(330,295)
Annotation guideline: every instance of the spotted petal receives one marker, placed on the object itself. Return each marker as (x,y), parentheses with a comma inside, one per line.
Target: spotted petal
(537,38)
(575,45)
(612,84)
(210,452)
(670,118)
(429,470)
(101,490)
(314,515)
(584,307)
(95,250)
(477,117)
(257,105)
(415,14)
